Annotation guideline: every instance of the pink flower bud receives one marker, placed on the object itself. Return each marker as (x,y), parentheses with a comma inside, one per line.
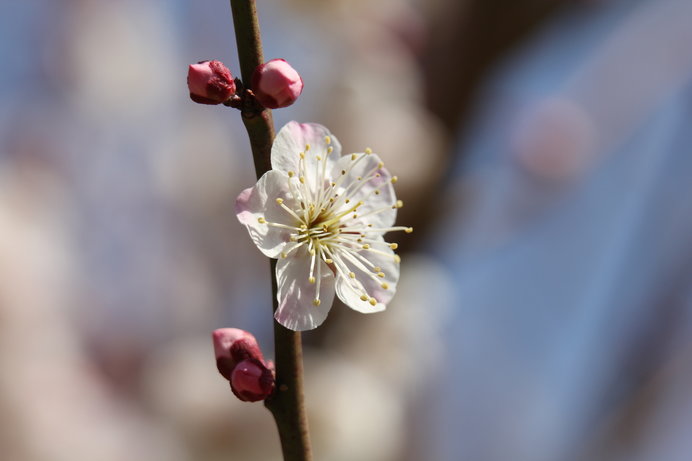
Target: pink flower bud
(210,82)
(276,84)
(251,381)
(240,360)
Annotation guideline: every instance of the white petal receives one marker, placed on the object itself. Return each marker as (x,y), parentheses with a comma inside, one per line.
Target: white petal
(373,286)
(293,138)
(296,294)
(364,189)
(260,202)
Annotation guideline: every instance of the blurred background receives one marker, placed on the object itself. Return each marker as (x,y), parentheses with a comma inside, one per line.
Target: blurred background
(544,311)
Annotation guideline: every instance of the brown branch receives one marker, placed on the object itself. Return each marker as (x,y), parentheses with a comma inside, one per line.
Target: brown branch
(287,403)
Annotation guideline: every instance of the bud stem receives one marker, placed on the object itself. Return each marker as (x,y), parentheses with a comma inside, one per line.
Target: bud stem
(287,404)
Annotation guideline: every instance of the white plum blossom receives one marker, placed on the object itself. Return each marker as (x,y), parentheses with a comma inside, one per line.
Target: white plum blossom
(323,216)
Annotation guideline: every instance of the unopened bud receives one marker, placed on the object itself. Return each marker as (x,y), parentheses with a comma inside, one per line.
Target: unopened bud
(276,84)
(240,360)
(210,82)
(251,381)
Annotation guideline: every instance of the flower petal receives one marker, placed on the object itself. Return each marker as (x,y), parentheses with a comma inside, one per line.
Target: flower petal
(296,294)
(292,140)
(380,287)
(374,188)
(259,202)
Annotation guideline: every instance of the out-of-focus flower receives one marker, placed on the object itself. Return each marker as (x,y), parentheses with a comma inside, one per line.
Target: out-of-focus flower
(323,215)
(239,359)
(210,82)
(276,84)
(554,139)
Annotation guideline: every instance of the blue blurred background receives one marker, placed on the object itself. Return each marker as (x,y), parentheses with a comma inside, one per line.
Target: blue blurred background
(545,305)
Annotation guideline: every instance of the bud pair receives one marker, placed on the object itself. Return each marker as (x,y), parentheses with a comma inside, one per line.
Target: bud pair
(275,83)
(240,360)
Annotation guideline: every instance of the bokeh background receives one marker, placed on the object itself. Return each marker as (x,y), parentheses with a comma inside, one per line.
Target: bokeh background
(545,306)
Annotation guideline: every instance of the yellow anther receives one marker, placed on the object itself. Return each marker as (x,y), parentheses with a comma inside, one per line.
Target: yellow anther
(368,150)
(399,203)
(312,252)
(283,254)
(316,302)
(377,192)
(377,175)
(291,174)
(394,179)
(385,286)
(330,149)
(307,147)
(366,247)
(380,275)
(302,155)
(261,220)
(318,158)
(373,301)
(329,261)
(363,298)
(354,156)
(359,178)
(408,230)
(327,139)
(352,275)
(393,246)
(279,200)
(380,165)
(293,238)
(312,280)
(397,258)
(302,180)
(377,269)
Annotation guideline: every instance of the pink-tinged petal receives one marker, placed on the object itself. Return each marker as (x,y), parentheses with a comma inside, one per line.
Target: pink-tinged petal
(381,287)
(258,204)
(296,294)
(376,192)
(293,138)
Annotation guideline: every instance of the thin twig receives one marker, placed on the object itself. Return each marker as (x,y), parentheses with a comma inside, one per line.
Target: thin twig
(287,403)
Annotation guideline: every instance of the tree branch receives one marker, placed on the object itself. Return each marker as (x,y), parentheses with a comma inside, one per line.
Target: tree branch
(287,403)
